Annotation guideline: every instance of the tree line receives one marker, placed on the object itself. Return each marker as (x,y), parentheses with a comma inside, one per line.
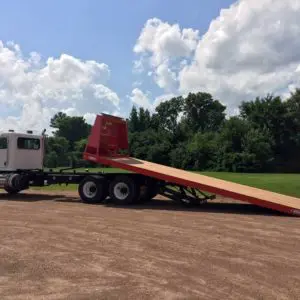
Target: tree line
(194,133)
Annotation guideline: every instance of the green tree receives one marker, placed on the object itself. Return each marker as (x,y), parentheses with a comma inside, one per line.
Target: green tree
(168,114)
(133,121)
(292,129)
(259,144)
(266,112)
(51,160)
(193,133)
(56,152)
(202,150)
(242,147)
(203,113)
(139,120)
(57,119)
(282,120)
(73,129)
(80,145)
(151,145)
(180,157)
(144,119)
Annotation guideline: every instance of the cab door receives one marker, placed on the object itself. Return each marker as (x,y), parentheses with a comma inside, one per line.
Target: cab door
(3,152)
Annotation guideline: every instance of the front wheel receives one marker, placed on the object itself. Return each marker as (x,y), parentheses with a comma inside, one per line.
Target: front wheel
(124,190)
(92,190)
(11,191)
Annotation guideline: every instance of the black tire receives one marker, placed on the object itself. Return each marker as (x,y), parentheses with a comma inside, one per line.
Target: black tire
(92,190)
(11,191)
(149,190)
(124,190)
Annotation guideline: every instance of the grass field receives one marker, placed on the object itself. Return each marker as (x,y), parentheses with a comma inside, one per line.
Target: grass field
(288,184)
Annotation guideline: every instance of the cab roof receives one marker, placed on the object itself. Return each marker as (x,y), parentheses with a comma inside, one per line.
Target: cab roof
(20,134)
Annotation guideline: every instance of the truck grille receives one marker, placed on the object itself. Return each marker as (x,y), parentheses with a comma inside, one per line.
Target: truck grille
(3,180)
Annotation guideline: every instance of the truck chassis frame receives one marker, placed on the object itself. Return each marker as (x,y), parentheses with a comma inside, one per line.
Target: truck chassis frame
(96,187)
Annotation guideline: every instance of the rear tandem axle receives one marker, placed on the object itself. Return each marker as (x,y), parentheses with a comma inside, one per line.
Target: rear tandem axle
(120,188)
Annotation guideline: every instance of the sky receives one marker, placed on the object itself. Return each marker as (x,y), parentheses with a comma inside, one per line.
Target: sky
(89,57)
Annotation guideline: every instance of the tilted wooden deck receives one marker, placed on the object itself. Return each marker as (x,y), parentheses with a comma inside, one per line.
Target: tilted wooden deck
(271,200)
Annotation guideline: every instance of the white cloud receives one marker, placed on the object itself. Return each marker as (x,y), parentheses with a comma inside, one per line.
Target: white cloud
(163,98)
(250,50)
(139,98)
(165,77)
(73,112)
(161,46)
(164,41)
(138,66)
(103,92)
(90,118)
(40,89)
(137,83)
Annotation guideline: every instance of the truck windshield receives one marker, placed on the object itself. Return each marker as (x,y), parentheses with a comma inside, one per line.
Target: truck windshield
(28,143)
(3,143)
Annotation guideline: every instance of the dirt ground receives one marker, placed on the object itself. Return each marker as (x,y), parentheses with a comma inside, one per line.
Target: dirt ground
(54,247)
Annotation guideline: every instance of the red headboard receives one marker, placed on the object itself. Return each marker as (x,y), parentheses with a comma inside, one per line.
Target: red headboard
(107,138)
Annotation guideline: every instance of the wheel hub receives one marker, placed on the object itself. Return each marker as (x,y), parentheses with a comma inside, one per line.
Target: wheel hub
(90,189)
(121,190)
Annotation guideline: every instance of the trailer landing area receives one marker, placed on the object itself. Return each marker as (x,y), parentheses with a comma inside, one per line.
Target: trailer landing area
(55,247)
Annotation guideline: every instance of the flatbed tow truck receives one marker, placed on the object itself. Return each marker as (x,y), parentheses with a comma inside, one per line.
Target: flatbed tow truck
(21,167)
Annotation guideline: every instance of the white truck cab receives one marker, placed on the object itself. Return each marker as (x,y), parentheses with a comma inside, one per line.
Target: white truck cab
(21,151)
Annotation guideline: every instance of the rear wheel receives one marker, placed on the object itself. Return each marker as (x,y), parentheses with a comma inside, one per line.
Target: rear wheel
(124,190)
(11,191)
(92,190)
(149,190)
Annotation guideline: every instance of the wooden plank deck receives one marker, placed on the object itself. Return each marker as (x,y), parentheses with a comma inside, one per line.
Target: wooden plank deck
(272,200)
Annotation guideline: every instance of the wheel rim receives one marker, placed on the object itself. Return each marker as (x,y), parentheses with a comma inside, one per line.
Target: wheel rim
(121,190)
(89,189)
